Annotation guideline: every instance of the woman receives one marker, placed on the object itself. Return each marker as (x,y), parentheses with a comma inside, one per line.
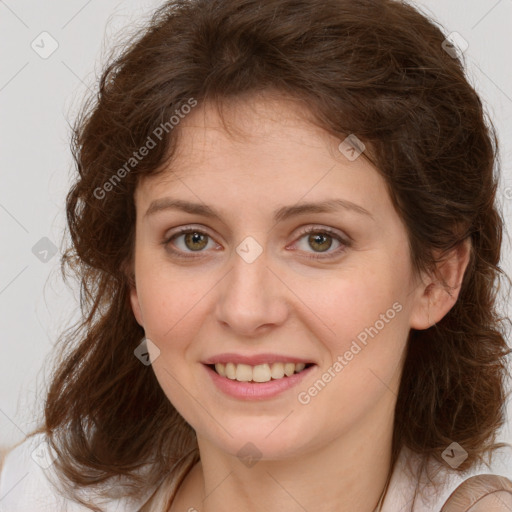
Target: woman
(285,229)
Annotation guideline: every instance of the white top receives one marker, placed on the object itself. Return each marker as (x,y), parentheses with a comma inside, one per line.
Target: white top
(25,484)
(403,484)
(25,487)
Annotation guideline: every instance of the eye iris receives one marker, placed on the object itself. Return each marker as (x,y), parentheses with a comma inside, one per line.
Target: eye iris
(195,238)
(318,238)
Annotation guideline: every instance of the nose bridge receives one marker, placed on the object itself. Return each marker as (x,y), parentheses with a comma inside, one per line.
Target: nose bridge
(250,295)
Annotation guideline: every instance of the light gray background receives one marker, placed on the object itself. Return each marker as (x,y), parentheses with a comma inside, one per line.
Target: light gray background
(37,99)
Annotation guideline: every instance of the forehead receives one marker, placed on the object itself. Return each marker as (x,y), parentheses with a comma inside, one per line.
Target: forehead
(266,150)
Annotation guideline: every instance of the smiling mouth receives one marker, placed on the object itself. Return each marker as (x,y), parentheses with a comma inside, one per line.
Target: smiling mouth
(258,373)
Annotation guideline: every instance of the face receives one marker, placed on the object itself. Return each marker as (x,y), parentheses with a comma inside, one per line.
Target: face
(291,253)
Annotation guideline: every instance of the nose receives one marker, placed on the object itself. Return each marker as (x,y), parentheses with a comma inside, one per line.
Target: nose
(252,297)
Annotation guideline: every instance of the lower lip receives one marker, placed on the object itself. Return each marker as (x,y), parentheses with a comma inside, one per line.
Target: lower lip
(256,390)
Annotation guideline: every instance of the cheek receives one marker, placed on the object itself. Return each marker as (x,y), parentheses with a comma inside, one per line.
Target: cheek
(359,304)
(366,313)
(365,342)
(168,300)
(171,321)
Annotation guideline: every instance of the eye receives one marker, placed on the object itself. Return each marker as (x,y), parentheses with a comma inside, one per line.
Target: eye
(321,240)
(192,240)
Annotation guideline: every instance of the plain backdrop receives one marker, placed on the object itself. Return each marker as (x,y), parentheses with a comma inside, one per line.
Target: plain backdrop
(39,95)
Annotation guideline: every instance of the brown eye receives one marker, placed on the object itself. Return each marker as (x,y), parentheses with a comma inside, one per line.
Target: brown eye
(195,241)
(320,241)
(186,242)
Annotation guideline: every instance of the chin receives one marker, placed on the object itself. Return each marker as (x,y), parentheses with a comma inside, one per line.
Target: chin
(260,441)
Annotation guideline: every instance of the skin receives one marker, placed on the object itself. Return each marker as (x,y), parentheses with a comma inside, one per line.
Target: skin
(334,452)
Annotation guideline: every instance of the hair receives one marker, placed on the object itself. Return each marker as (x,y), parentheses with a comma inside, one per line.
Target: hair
(373,68)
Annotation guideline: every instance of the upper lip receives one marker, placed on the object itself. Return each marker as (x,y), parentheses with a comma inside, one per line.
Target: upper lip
(255,359)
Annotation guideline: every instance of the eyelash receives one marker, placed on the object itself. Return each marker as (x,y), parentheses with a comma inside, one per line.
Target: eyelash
(326,231)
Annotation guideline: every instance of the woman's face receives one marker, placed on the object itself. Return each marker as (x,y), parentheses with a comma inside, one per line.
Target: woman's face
(253,290)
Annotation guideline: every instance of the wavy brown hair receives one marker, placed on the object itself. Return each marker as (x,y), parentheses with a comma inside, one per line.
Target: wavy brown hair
(374,68)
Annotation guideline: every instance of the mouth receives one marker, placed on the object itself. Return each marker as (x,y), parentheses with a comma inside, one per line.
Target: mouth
(259,373)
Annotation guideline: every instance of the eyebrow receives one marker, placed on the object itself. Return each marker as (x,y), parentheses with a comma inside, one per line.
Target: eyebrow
(280,215)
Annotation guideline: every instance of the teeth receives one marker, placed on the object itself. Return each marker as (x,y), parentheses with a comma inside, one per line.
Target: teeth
(259,373)
(277,371)
(243,373)
(230,371)
(221,369)
(289,369)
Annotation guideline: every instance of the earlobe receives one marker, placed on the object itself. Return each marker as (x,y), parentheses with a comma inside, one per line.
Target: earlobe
(440,292)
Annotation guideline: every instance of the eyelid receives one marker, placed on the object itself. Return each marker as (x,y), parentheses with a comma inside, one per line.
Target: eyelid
(186,228)
(319,228)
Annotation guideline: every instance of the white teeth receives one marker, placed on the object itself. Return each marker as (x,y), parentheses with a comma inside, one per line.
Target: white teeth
(259,373)
(221,369)
(289,369)
(230,371)
(277,371)
(243,373)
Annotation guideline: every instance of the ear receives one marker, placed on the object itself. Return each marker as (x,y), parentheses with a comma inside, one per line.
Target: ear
(435,297)
(134,297)
(134,300)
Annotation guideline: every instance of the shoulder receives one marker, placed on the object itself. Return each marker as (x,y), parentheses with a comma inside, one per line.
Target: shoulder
(27,482)
(412,487)
(481,493)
